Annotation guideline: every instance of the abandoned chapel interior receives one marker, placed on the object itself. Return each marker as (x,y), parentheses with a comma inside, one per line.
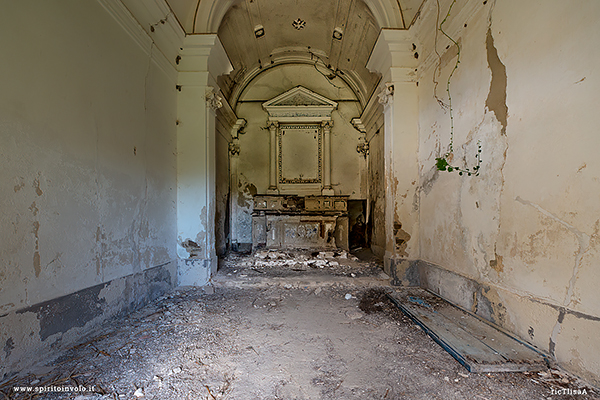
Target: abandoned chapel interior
(455,142)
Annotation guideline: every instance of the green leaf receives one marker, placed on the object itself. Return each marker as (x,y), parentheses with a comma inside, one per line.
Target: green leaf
(441,164)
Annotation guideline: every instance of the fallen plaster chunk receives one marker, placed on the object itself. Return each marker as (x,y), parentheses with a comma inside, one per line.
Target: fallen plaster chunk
(175,370)
(262,254)
(325,254)
(354,314)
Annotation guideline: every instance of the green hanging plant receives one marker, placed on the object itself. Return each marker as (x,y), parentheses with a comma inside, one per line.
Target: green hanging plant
(443,163)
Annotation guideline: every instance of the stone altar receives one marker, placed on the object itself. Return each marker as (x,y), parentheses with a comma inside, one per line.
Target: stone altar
(290,221)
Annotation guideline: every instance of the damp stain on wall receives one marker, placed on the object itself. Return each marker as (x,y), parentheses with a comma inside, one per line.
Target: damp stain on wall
(489,305)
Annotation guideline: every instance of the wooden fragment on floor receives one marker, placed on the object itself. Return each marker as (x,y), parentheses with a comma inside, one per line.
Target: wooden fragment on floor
(473,342)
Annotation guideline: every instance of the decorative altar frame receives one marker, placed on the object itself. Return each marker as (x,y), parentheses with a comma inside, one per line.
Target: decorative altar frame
(300,163)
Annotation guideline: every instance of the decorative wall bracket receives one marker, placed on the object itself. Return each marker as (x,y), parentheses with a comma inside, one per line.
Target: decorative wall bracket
(238,128)
(387,94)
(363,143)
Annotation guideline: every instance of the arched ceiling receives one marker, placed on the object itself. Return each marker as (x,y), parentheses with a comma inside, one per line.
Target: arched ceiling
(204,16)
(335,36)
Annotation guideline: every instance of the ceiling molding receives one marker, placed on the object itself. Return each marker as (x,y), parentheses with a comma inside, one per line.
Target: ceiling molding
(210,13)
(386,13)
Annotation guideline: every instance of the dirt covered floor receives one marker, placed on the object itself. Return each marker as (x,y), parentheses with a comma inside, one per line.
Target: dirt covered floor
(279,325)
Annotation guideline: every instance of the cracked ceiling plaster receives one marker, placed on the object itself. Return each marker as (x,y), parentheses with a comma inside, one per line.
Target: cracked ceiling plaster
(335,36)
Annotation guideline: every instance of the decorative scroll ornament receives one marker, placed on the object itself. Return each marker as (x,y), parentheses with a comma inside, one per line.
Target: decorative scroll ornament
(213,100)
(363,147)
(234,148)
(387,94)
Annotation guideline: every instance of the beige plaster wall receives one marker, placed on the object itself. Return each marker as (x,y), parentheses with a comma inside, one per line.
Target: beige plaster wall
(527,228)
(87,155)
(348,167)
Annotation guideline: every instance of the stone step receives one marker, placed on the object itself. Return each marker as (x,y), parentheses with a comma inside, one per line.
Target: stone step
(300,281)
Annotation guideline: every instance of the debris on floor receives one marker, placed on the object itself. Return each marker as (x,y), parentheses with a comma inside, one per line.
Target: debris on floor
(272,342)
(341,261)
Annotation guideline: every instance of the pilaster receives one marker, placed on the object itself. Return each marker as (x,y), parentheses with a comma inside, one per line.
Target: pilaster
(327,189)
(393,57)
(203,59)
(273,128)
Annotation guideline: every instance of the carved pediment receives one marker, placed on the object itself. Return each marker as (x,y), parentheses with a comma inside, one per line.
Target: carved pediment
(301,103)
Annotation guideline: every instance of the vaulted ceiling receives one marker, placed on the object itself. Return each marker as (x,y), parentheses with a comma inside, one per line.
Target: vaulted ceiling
(336,36)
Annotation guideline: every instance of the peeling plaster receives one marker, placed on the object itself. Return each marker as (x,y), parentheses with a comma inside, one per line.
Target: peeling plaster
(496,100)
(60,315)
(36,186)
(496,263)
(19,185)
(401,239)
(8,347)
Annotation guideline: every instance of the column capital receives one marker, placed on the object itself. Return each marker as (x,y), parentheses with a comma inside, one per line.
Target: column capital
(213,99)
(204,53)
(394,49)
(327,124)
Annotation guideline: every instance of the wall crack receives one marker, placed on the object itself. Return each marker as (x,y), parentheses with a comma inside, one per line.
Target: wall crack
(584,243)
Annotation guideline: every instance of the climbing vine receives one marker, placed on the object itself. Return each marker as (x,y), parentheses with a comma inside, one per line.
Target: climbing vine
(443,163)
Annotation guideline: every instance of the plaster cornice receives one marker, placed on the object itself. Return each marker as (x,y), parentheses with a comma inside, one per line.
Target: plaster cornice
(136,20)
